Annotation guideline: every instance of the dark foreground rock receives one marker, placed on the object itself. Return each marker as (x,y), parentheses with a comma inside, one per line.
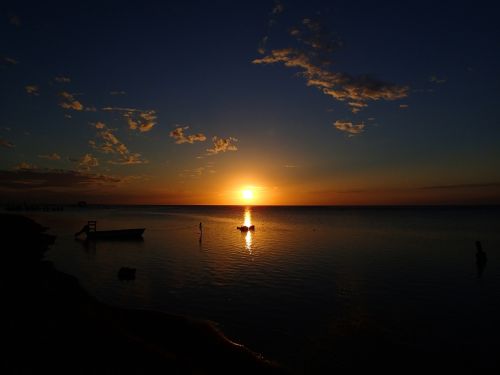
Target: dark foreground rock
(53,326)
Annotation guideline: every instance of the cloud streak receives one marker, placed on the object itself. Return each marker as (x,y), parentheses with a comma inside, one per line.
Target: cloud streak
(62,79)
(52,156)
(6,144)
(4,61)
(32,178)
(349,128)
(137,119)
(180,137)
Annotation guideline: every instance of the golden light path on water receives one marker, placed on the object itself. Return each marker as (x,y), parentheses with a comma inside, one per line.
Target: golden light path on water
(247,220)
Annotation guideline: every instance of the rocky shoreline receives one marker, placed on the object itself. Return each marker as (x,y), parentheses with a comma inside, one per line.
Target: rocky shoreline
(54,325)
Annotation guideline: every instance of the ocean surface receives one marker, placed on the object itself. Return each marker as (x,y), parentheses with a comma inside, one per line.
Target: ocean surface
(314,288)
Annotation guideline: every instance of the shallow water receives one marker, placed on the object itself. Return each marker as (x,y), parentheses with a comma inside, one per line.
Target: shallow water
(307,281)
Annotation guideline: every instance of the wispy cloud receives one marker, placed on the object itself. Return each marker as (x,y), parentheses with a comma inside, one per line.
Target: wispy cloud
(435,79)
(112,145)
(32,178)
(62,79)
(137,119)
(180,137)
(278,8)
(462,186)
(6,144)
(88,161)
(117,93)
(52,156)
(313,59)
(222,145)
(25,166)
(4,61)
(198,172)
(69,102)
(32,90)
(349,128)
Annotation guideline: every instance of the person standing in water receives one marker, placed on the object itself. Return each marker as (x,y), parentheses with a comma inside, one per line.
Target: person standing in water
(201,228)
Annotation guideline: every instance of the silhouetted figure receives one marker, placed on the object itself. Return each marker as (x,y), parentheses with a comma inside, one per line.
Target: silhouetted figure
(201,228)
(481,259)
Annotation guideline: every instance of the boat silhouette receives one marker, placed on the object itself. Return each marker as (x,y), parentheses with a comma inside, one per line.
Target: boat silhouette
(118,234)
(245,228)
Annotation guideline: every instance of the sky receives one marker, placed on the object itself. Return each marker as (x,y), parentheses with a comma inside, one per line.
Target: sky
(300,103)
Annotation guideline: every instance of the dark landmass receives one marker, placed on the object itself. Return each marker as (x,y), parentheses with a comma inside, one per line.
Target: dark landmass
(54,326)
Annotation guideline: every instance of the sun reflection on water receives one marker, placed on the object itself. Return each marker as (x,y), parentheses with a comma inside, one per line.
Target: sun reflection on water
(247,220)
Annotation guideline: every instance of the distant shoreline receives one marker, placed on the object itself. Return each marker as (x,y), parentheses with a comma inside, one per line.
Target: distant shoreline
(424,206)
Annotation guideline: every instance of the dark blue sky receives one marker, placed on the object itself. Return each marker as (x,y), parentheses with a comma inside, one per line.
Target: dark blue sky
(329,102)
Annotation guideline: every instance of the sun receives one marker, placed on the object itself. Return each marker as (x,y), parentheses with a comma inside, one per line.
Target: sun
(247,194)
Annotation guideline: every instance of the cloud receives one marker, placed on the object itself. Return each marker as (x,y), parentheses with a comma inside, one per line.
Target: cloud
(137,119)
(275,12)
(32,178)
(62,79)
(112,145)
(290,166)
(403,106)
(32,90)
(69,102)
(435,79)
(7,61)
(339,86)
(25,166)
(313,59)
(6,144)
(349,127)
(180,137)
(198,172)
(278,8)
(129,159)
(222,145)
(117,93)
(462,186)
(357,106)
(52,156)
(87,161)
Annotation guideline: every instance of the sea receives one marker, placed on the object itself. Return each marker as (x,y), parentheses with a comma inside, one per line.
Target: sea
(316,289)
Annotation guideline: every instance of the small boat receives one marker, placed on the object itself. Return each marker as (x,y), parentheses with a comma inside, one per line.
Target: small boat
(116,234)
(245,228)
(119,234)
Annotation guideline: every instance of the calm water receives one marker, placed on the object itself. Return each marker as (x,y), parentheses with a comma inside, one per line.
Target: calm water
(311,285)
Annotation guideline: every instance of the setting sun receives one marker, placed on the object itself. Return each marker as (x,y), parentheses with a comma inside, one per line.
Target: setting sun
(247,194)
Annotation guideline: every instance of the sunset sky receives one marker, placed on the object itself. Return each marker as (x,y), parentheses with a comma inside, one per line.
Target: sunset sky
(192,102)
